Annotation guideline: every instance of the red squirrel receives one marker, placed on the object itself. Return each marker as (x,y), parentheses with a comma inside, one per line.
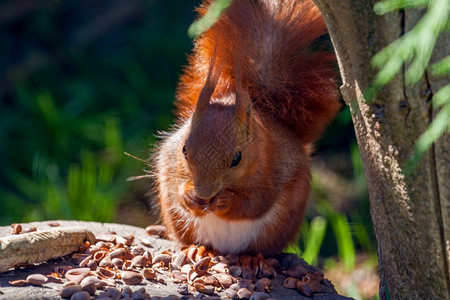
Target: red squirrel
(234,173)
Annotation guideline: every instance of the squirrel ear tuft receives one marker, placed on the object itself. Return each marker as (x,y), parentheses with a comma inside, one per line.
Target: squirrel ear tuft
(210,85)
(243,101)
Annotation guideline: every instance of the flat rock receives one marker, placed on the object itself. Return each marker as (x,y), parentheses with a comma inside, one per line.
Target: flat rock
(49,289)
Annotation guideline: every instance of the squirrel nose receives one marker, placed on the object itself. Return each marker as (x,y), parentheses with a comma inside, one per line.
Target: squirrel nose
(206,193)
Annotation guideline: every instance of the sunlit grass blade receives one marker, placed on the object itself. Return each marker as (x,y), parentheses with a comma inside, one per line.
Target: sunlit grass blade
(294,248)
(361,233)
(316,235)
(346,248)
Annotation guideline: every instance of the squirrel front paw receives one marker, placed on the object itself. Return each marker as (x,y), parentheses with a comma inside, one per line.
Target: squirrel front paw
(195,204)
(219,204)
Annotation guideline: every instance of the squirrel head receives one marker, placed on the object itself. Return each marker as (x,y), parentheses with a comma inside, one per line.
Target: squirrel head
(217,149)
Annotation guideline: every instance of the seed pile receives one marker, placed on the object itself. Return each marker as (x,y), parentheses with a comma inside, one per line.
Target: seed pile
(115,259)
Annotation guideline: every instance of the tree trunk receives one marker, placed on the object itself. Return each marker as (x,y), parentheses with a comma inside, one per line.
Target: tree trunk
(411,213)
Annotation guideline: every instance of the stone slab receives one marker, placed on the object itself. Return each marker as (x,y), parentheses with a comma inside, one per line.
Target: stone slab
(49,290)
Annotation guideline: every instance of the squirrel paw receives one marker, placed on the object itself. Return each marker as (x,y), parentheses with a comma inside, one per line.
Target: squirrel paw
(219,204)
(195,204)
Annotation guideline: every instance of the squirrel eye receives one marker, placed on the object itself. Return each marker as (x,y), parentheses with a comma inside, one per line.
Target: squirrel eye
(236,159)
(184,152)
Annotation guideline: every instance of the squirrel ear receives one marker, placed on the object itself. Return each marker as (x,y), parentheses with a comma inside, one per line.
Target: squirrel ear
(243,102)
(210,85)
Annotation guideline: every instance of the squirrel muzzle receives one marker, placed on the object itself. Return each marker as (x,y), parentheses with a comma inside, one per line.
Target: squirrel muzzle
(206,188)
(218,203)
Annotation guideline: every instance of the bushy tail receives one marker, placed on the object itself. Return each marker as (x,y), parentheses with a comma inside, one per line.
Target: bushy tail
(286,73)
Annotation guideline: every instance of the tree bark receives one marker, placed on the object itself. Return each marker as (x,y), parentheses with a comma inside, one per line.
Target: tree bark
(411,213)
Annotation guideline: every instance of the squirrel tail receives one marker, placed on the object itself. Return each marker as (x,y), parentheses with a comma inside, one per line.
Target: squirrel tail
(284,68)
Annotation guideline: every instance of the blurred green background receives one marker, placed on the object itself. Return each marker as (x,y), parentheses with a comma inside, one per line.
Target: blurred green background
(82,82)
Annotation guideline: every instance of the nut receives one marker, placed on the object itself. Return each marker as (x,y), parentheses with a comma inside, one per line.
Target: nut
(244,293)
(37,279)
(110,293)
(263,285)
(178,260)
(191,275)
(91,279)
(136,251)
(149,273)
(201,267)
(127,265)
(131,277)
(164,258)
(158,230)
(29,229)
(126,239)
(246,283)
(186,268)
(68,291)
(225,280)
(220,268)
(230,293)
(148,255)
(191,253)
(205,289)
(178,276)
(92,264)
(201,252)
(235,271)
(54,278)
(140,261)
(85,261)
(83,295)
(290,283)
(266,270)
(89,287)
(273,262)
(126,292)
(297,272)
(16,228)
(19,282)
(122,253)
(312,283)
(99,255)
(106,262)
(304,289)
(76,275)
(105,273)
(117,262)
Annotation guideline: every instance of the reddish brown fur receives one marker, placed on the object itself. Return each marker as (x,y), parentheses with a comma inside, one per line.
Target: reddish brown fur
(292,84)
(284,97)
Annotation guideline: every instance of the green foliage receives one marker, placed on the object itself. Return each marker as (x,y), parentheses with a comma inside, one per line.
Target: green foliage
(212,15)
(75,95)
(339,225)
(416,47)
(57,188)
(327,232)
(314,239)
